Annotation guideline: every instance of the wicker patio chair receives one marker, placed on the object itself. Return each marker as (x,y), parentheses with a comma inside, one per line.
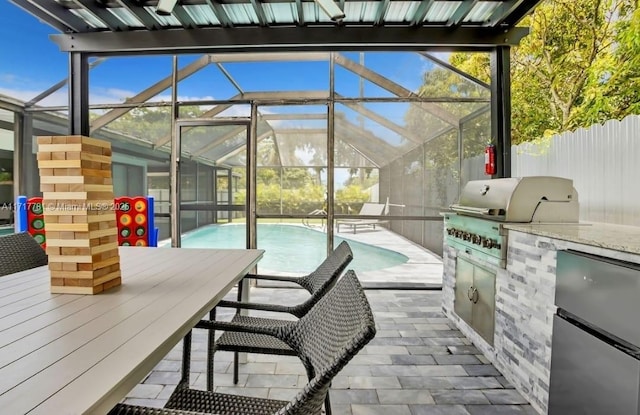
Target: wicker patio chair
(325,339)
(19,252)
(317,283)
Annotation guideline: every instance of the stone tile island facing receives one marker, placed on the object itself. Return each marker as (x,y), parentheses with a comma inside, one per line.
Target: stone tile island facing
(525,296)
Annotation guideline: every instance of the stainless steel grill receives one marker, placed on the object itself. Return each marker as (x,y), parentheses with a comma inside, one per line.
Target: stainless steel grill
(476,227)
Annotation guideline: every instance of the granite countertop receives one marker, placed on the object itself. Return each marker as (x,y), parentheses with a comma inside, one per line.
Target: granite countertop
(617,237)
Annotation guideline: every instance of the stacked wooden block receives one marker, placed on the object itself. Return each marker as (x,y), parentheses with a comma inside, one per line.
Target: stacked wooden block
(79,215)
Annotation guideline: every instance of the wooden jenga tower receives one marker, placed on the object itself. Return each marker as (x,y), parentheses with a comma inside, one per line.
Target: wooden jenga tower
(79,214)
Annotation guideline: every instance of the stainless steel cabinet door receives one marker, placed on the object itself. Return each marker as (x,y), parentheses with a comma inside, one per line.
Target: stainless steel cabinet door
(464,286)
(602,291)
(484,281)
(589,376)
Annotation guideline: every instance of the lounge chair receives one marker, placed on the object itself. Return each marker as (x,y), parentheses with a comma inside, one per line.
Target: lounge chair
(19,252)
(325,340)
(368,209)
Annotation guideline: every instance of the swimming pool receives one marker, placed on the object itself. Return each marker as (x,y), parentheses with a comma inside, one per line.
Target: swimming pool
(290,248)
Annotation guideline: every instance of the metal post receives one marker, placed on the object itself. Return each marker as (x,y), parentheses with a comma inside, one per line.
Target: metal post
(330,153)
(229,195)
(460,158)
(501,109)
(78,94)
(175,161)
(19,136)
(216,202)
(252,153)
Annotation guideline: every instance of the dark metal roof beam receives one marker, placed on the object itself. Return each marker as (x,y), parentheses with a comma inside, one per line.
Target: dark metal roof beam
(521,10)
(501,12)
(421,12)
(183,17)
(141,14)
(150,92)
(300,10)
(456,70)
(288,39)
(55,15)
(394,88)
(382,10)
(222,16)
(102,14)
(262,17)
(461,12)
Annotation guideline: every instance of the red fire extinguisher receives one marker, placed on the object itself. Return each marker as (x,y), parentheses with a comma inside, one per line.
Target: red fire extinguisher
(490,160)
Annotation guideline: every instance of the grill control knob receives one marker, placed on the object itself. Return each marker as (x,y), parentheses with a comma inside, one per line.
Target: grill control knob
(450,231)
(476,239)
(491,243)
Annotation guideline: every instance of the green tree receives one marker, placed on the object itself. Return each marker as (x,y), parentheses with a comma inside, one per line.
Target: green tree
(579,65)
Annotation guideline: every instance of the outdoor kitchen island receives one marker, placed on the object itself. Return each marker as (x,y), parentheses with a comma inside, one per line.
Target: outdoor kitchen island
(525,300)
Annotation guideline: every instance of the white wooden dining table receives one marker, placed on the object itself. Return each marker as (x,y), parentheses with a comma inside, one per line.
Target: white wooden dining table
(81,354)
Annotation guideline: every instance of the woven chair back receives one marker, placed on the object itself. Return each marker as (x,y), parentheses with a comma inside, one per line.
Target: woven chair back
(327,338)
(19,252)
(323,278)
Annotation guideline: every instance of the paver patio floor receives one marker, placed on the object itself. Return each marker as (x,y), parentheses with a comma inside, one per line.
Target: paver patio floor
(417,364)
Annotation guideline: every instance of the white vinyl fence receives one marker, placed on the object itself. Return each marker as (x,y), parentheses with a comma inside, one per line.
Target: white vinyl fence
(603,161)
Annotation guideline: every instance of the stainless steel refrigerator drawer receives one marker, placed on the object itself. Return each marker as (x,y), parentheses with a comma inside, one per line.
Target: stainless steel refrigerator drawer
(589,376)
(602,291)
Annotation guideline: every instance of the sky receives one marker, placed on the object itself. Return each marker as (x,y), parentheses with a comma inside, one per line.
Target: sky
(30,63)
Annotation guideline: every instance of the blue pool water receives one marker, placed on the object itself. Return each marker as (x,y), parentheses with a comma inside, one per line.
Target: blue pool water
(290,248)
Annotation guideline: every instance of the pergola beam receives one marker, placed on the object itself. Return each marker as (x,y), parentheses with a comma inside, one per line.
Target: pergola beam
(54,15)
(222,16)
(183,17)
(140,13)
(300,11)
(288,39)
(382,10)
(519,12)
(262,17)
(461,12)
(107,18)
(421,12)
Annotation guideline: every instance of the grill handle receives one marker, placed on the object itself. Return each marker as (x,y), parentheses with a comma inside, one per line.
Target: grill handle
(478,211)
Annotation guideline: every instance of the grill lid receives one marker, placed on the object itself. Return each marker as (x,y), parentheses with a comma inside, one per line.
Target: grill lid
(520,199)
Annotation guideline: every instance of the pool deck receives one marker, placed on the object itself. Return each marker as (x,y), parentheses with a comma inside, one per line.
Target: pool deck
(424,268)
